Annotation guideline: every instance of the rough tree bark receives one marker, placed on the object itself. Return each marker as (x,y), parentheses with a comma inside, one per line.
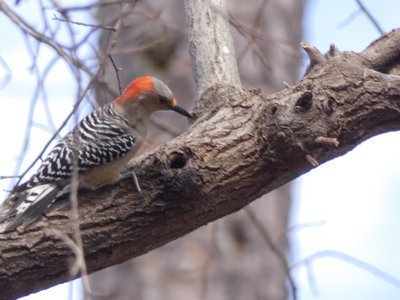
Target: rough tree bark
(229,258)
(211,45)
(242,145)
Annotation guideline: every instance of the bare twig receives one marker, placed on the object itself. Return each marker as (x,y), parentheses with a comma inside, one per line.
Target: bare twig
(305,225)
(85,91)
(278,252)
(8,177)
(145,46)
(313,53)
(311,160)
(39,89)
(252,44)
(28,29)
(156,18)
(352,261)
(252,35)
(116,69)
(79,265)
(85,24)
(7,73)
(370,17)
(94,5)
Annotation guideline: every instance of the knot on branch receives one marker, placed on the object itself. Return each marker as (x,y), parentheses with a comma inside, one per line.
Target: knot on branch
(316,57)
(313,53)
(170,171)
(326,141)
(305,101)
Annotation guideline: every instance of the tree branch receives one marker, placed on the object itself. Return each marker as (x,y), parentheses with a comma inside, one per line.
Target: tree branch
(210,44)
(384,53)
(28,29)
(243,145)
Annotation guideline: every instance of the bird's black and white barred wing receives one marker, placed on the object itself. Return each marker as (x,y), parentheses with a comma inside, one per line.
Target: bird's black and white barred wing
(94,142)
(97,140)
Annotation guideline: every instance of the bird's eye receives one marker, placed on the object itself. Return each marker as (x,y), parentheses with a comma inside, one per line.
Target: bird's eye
(163,100)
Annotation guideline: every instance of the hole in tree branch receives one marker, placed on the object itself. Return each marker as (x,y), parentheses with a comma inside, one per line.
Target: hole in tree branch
(305,101)
(178,161)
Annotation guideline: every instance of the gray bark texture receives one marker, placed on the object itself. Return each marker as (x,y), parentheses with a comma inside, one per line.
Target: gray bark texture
(227,259)
(242,145)
(210,44)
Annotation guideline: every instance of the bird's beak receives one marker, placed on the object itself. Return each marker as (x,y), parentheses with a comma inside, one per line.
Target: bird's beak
(179,110)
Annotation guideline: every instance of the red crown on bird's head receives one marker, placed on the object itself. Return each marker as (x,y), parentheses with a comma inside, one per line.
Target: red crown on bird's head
(137,86)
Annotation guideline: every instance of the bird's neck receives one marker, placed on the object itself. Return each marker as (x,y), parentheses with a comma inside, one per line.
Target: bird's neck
(137,116)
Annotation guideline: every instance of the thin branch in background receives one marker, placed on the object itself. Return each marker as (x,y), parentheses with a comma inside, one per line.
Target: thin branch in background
(8,177)
(41,79)
(7,73)
(79,265)
(209,262)
(305,225)
(34,100)
(47,27)
(370,17)
(85,24)
(157,19)
(116,69)
(28,29)
(252,35)
(94,5)
(80,262)
(130,50)
(252,43)
(85,39)
(312,282)
(43,127)
(379,273)
(39,89)
(282,234)
(362,10)
(74,53)
(85,91)
(349,19)
(274,248)
(71,290)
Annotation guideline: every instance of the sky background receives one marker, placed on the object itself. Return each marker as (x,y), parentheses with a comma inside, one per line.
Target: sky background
(353,199)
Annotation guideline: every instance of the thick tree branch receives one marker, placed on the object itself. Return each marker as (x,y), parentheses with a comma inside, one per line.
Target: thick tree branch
(210,44)
(384,53)
(243,145)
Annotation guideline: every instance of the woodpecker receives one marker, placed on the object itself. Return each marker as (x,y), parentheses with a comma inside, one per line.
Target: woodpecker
(101,145)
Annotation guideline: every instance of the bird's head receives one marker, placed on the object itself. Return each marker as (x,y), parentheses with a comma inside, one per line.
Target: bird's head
(149,93)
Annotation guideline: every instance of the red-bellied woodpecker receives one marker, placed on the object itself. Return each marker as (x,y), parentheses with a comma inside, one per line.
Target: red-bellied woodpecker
(101,144)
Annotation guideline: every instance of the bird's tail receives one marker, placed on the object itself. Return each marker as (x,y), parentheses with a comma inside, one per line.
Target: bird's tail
(30,205)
